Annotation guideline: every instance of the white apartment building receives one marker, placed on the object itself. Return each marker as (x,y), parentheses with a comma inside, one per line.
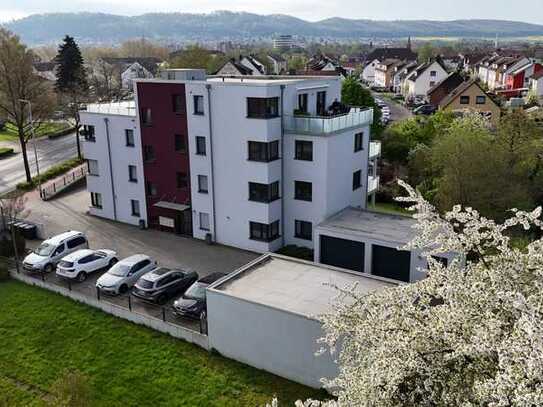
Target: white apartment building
(112,148)
(268,159)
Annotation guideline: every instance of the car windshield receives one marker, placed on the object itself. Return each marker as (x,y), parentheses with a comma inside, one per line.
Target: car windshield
(196,291)
(44,249)
(143,283)
(120,270)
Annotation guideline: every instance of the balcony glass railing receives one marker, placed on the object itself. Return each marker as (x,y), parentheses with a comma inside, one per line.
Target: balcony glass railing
(375,149)
(322,125)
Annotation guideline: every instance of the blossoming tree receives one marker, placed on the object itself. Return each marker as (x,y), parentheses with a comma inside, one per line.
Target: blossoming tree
(471,334)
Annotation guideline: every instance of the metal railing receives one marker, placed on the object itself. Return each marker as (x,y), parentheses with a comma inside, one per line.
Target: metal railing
(375,149)
(322,125)
(54,187)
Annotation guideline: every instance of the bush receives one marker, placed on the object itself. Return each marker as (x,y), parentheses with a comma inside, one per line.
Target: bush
(298,252)
(4,152)
(51,173)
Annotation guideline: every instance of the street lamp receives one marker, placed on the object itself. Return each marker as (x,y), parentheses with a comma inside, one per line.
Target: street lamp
(33,141)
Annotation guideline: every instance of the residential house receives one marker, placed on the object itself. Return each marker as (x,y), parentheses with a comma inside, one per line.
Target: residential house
(323,65)
(469,96)
(381,54)
(251,62)
(45,70)
(401,71)
(471,61)
(518,81)
(279,64)
(234,68)
(501,68)
(442,89)
(423,78)
(384,72)
(536,84)
(283,174)
(368,73)
(128,70)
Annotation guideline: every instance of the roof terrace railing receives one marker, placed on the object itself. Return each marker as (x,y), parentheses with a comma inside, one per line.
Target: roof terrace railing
(323,125)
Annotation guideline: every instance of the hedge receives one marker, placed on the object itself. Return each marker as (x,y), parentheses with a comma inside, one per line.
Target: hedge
(61,133)
(51,173)
(4,152)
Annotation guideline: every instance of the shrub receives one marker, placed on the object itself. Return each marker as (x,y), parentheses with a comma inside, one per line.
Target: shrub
(5,152)
(51,173)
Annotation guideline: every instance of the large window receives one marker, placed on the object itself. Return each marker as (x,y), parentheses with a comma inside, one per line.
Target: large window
(180,144)
(132,173)
(303,230)
(357,180)
(204,221)
(178,104)
(262,108)
(88,133)
(146,116)
(358,142)
(96,200)
(129,136)
(264,152)
(202,184)
(303,191)
(263,192)
(303,150)
(93,167)
(181,180)
(198,104)
(200,145)
(264,232)
(135,207)
(148,153)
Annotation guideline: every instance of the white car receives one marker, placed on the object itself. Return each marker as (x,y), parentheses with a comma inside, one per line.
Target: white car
(79,264)
(125,274)
(46,256)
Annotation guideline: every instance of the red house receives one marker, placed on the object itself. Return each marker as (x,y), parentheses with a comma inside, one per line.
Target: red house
(520,78)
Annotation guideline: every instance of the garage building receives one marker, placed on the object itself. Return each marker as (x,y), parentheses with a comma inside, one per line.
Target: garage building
(264,315)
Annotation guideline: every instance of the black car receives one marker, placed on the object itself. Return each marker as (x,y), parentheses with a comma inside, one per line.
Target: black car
(425,110)
(161,284)
(193,302)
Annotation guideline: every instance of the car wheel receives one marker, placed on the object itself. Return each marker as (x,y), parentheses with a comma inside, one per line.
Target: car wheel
(48,268)
(112,262)
(123,289)
(81,276)
(162,299)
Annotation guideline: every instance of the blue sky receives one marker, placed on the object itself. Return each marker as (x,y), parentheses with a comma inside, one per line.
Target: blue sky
(527,10)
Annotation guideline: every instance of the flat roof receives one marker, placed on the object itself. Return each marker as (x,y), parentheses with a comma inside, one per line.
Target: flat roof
(294,285)
(126,108)
(373,225)
(247,80)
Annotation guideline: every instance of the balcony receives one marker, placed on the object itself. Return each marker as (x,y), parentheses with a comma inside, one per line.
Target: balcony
(373,184)
(324,125)
(375,149)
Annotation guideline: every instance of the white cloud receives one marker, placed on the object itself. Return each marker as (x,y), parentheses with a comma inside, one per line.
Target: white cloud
(8,15)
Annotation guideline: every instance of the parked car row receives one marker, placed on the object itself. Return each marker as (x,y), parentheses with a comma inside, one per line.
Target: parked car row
(69,254)
(385,111)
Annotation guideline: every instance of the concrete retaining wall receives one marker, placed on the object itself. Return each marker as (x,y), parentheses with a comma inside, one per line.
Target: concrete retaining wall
(165,327)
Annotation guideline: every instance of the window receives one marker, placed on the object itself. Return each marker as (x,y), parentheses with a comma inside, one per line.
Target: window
(146,118)
(263,192)
(132,173)
(357,179)
(151,189)
(76,241)
(182,180)
(433,74)
(464,100)
(198,104)
(262,108)
(303,150)
(302,102)
(58,250)
(200,145)
(321,103)
(264,232)
(96,200)
(88,133)
(264,152)
(180,144)
(480,100)
(204,221)
(129,136)
(358,142)
(148,153)
(178,104)
(303,230)
(303,191)
(432,84)
(92,166)
(202,184)
(135,206)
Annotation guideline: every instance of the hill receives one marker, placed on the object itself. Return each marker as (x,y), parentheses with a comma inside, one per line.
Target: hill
(109,28)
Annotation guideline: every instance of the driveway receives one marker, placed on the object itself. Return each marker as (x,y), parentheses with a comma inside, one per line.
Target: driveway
(50,152)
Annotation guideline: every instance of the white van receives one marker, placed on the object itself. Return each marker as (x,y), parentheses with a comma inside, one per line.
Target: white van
(46,256)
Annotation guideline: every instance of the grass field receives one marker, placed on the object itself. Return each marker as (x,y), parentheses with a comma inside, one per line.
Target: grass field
(9,133)
(390,208)
(43,334)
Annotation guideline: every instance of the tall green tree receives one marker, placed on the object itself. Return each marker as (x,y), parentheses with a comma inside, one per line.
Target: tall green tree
(19,83)
(71,85)
(354,94)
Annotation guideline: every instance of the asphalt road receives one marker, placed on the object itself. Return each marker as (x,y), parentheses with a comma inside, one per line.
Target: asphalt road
(50,152)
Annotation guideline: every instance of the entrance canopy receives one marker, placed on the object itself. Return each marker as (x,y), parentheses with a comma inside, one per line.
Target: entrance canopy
(172,205)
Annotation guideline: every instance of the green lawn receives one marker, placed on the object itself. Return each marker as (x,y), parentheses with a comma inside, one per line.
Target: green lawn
(10,132)
(391,208)
(43,334)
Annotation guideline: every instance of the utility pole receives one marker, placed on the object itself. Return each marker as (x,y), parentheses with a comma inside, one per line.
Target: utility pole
(34,141)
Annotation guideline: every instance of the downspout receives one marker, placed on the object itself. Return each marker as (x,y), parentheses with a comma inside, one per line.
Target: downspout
(282,169)
(208,87)
(106,121)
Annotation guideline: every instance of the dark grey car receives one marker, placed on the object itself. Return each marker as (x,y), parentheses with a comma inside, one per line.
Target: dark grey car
(161,284)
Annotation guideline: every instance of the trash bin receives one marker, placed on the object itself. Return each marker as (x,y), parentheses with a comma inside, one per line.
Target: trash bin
(142,224)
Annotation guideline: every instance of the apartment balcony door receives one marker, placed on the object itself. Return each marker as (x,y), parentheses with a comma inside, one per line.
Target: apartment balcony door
(321,103)
(183,223)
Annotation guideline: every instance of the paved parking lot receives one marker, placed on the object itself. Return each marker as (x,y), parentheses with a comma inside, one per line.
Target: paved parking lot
(68,212)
